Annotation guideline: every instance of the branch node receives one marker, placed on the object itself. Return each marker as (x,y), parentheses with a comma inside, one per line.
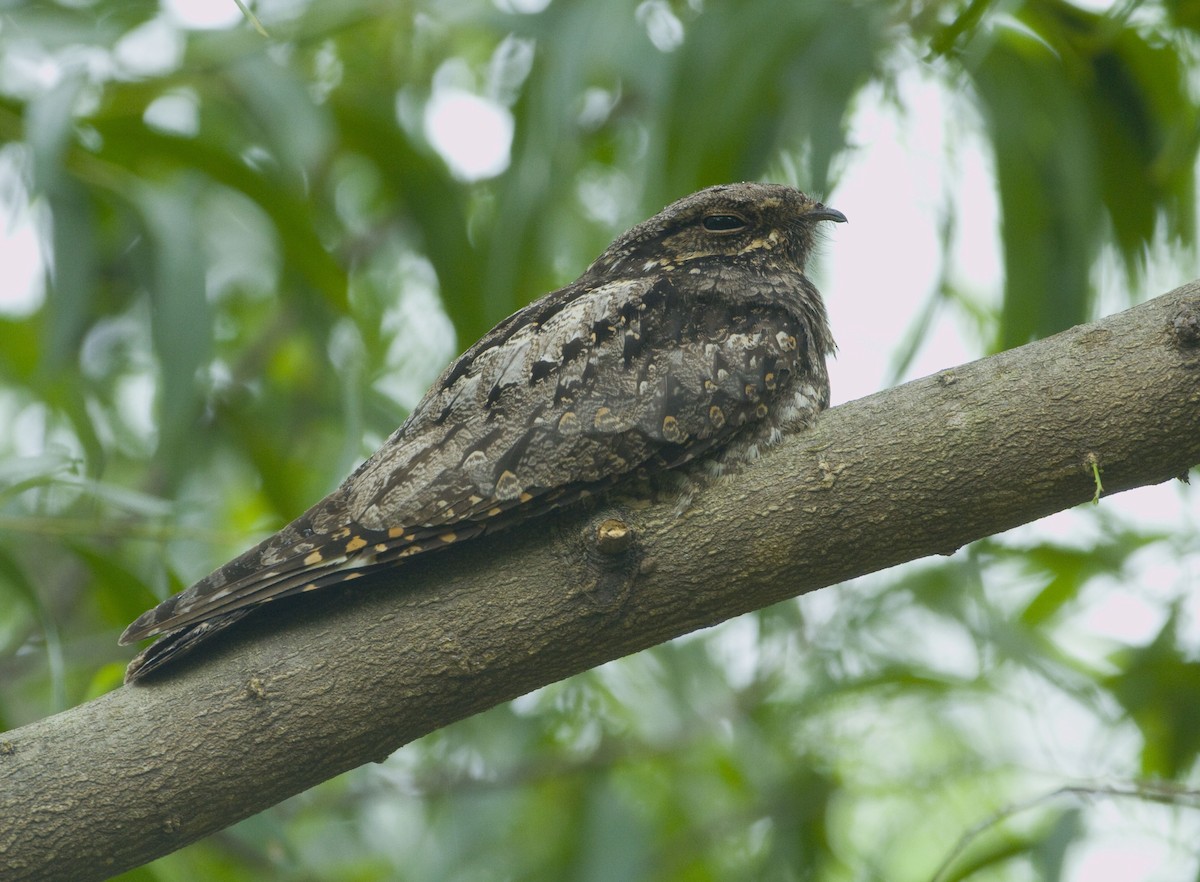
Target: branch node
(613,537)
(1186,326)
(614,557)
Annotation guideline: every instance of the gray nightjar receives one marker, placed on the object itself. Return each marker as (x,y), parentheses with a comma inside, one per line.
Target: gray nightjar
(695,334)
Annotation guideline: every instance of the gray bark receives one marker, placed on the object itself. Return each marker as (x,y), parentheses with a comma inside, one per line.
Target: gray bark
(306,690)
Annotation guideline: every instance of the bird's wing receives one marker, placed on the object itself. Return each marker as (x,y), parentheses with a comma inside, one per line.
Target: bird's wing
(568,395)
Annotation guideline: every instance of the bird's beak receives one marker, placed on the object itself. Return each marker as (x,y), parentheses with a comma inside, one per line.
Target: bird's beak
(821,212)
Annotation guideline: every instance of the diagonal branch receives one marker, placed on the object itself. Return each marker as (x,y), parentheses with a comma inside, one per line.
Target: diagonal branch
(310,689)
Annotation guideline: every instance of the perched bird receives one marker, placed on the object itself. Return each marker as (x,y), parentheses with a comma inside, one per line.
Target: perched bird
(695,334)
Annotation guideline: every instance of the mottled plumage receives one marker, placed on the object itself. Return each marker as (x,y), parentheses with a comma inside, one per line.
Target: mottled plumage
(694,334)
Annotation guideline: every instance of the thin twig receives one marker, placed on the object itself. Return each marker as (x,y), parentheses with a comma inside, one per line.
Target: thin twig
(1150,791)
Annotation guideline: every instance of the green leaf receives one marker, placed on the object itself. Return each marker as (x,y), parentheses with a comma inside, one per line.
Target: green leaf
(73,270)
(1159,687)
(49,129)
(1045,846)
(1142,118)
(296,130)
(1046,163)
(21,585)
(180,321)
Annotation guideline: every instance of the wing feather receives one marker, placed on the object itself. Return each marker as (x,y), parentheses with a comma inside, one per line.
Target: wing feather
(562,399)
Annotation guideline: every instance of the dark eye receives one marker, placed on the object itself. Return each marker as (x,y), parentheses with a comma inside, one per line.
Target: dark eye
(724,223)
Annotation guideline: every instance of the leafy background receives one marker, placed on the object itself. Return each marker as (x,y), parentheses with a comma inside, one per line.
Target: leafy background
(256,259)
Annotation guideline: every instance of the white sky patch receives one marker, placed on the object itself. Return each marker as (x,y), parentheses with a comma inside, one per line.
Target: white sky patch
(663,27)
(177,113)
(976,258)
(524,7)
(152,49)
(1124,615)
(203,14)
(22,279)
(1121,856)
(26,69)
(22,288)
(473,135)
(135,404)
(892,191)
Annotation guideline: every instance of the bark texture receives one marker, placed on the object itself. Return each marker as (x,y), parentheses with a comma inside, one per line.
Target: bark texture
(305,690)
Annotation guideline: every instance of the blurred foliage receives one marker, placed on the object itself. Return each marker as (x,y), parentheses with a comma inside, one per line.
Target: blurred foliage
(257,258)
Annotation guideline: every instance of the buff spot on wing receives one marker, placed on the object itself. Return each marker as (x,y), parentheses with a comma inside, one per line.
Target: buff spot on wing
(340,534)
(760,411)
(395,532)
(313,559)
(603,418)
(349,576)
(494,510)
(448,537)
(525,497)
(769,380)
(354,544)
(751,392)
(380,548)
(411,550)
(311,586)
(671,430)
(569,423)
(716,416)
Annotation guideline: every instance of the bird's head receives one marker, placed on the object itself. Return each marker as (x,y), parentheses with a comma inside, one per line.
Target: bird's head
(765,226)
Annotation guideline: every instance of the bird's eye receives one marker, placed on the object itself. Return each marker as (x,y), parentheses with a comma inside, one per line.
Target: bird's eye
(724,223)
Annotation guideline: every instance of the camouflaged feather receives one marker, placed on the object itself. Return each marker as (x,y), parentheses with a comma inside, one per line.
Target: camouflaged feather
(694,334)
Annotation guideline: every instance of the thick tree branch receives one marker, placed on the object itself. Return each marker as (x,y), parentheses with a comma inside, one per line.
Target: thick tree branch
(309,689)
